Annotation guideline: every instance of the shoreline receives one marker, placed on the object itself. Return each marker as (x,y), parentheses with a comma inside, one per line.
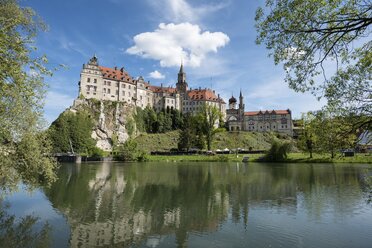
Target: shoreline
(292,158)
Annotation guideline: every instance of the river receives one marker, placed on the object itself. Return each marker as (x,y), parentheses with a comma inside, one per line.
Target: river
(183,204)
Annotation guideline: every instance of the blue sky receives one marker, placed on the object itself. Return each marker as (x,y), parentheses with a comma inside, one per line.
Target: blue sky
(214,39)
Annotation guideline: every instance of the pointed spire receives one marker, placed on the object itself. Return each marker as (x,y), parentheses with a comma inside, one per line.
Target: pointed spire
(181,68)
(241,95)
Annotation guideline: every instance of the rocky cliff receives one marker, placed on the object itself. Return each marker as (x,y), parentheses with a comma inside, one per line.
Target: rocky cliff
(113,121)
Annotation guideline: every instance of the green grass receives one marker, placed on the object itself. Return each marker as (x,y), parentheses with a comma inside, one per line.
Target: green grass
(222,140)
(326,158)
(292,158)
(158,141)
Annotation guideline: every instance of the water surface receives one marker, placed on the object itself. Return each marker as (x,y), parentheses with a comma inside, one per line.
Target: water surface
(204,205)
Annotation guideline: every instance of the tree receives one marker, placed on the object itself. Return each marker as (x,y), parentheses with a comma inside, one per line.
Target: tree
(128,151)
(307,34)
(307,138)
(278,151)
(328,129)
(22,91)
(187,136)
(209,116)
(73,129)
(324,132)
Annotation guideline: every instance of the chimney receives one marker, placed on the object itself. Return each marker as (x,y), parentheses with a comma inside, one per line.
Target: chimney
(214,92)
(115,68)
(122,69)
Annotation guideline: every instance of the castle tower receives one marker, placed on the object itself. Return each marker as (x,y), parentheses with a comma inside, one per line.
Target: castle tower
(181,85)
(232,103)
(241,101)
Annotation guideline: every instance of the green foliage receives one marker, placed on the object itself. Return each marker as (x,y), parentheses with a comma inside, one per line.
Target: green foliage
(129,152)
(306,34)
(130,126)
(75,128)
(22,91)
(208,119)
(278,151)
(147,120)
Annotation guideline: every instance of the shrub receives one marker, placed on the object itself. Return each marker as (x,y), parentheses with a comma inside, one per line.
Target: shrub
(278,151)
(128,151)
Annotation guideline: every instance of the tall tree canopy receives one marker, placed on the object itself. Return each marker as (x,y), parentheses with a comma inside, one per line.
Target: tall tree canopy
(23,149)
(325,46)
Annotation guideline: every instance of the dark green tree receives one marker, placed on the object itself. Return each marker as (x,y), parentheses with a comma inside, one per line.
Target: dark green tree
(187,138)
(73,129)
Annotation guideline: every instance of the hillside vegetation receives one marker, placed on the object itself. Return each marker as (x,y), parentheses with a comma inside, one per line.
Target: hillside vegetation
(169,140)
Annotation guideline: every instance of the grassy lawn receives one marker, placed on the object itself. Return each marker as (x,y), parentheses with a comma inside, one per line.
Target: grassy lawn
(169,140)
(292,158)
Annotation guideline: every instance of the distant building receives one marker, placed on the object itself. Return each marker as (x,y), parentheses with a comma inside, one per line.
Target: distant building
(115,84)
(257,121)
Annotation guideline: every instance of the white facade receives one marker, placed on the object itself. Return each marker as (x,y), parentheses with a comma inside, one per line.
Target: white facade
(113,84)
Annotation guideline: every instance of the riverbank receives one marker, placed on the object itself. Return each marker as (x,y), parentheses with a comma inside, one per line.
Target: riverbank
(292,158)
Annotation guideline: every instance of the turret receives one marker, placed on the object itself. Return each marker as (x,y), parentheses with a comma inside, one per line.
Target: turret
(241,101)
(232,103)
(181,85)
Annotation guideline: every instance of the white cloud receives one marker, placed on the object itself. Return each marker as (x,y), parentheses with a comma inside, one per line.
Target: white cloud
(156,75)
(182,11)
(171,43)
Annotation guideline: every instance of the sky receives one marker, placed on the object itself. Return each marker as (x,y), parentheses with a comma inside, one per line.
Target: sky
(215,40)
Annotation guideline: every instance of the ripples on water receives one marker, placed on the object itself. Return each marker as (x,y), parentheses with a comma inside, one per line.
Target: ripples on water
(204,205)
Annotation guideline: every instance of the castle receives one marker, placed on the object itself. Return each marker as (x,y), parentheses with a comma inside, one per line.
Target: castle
(279,121)
(115,84)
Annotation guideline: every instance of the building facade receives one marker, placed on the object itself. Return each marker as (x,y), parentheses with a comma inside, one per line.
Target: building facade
(115,84)
(257,121)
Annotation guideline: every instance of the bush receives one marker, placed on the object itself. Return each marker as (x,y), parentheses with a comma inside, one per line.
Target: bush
(278,151)
(142,156)
(223,158)
(128,151)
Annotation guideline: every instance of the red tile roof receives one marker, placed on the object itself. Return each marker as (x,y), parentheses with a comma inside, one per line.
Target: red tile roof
(203,95)
(158,89)
(278,112)
(116,74)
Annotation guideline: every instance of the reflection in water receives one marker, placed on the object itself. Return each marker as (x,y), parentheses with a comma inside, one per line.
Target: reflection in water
(22,232)
(151,204)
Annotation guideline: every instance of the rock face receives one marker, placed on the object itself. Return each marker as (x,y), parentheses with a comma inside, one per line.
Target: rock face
(111,121)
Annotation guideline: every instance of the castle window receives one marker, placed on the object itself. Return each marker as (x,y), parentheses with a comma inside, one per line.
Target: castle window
(104,90)
(108,91)
(88,80)
(124,86)
(104,82)
(95,80)
(129,87)
(123,93)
